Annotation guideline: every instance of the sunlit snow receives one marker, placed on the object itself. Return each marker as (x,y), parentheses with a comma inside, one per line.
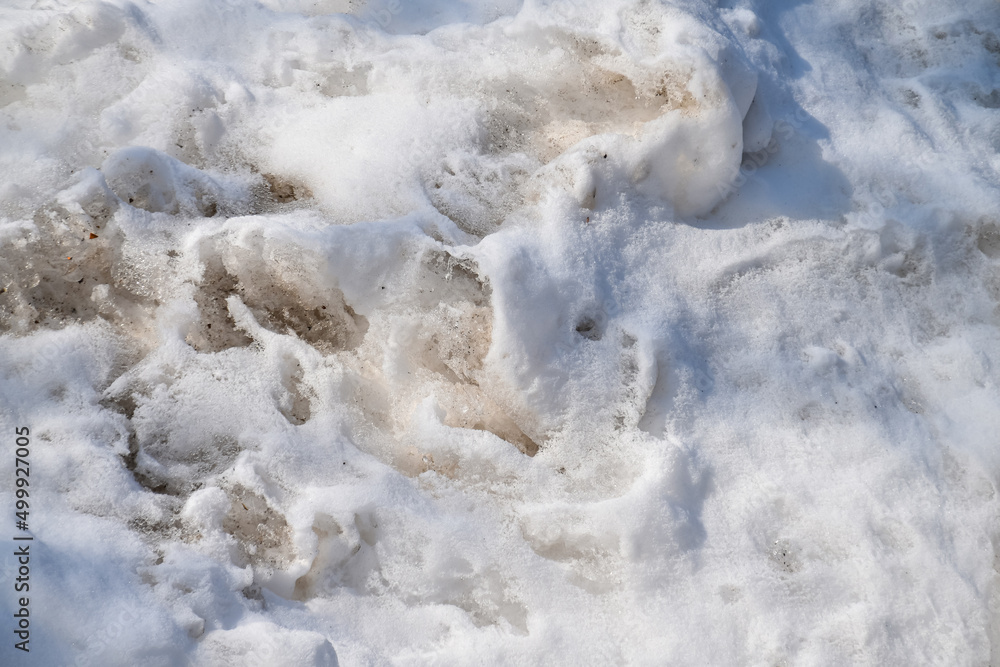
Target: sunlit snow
(471,332)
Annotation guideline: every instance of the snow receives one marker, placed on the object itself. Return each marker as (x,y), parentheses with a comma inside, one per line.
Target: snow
(541,332)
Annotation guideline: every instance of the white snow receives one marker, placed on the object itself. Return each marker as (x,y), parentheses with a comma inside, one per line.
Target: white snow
(577,332)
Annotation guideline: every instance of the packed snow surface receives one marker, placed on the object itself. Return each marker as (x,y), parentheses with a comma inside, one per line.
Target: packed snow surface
(582,332)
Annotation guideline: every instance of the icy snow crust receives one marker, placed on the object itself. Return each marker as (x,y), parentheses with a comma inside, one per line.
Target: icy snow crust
(461,332)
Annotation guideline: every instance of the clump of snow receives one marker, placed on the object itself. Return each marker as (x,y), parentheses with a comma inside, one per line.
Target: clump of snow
(458,331)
